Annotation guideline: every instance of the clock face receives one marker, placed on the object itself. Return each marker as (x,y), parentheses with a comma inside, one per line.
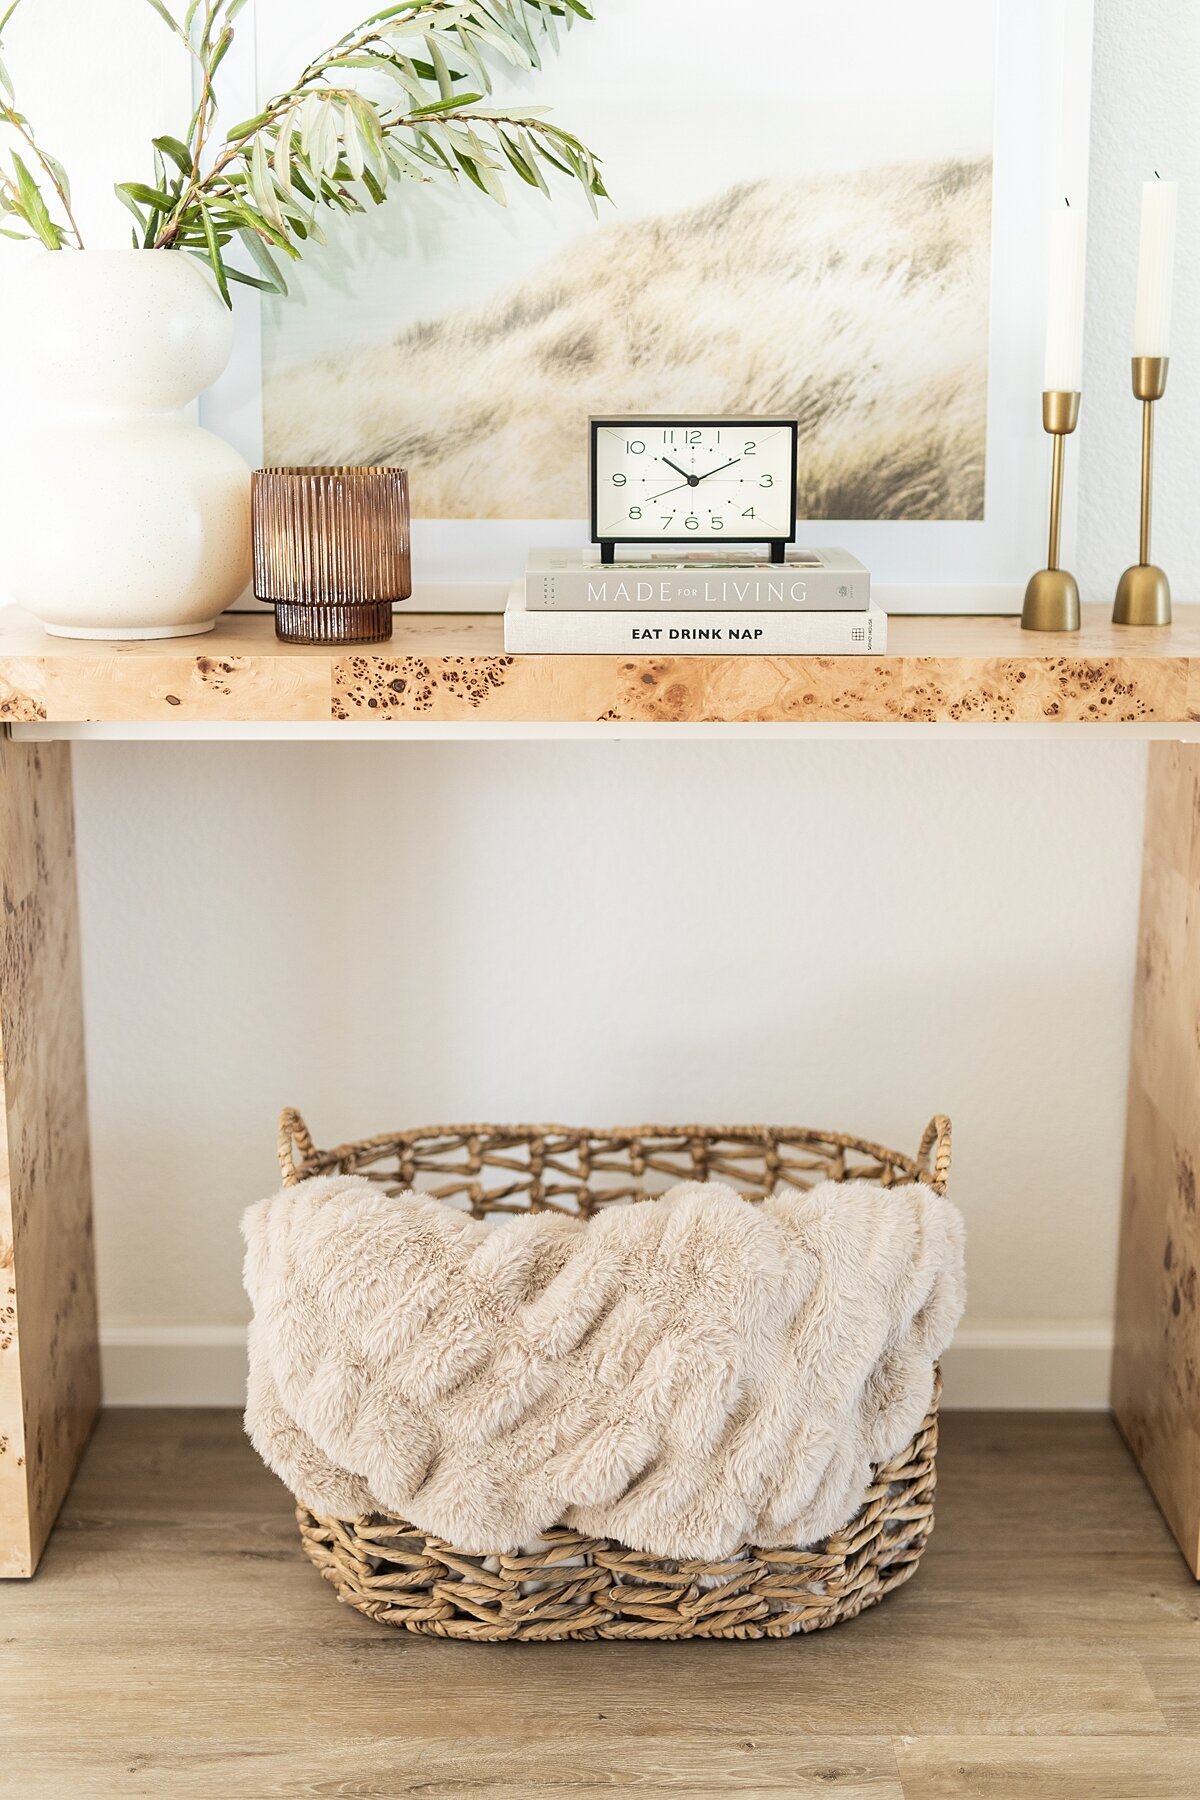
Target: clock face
(692,480)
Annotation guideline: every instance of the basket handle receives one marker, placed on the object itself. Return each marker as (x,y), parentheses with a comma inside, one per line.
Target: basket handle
(295,1146)
(936,1138)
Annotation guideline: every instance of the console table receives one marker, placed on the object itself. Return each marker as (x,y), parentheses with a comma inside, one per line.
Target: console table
(446,676)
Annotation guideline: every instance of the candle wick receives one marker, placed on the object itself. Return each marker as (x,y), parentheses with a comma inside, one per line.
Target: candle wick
(1066,202)
(1157,176)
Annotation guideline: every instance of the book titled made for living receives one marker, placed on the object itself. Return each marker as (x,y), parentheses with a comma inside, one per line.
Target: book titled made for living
(806,581)
(678,633)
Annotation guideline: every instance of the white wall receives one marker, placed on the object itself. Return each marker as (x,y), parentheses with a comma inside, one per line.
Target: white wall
(1145,116)
(849,934)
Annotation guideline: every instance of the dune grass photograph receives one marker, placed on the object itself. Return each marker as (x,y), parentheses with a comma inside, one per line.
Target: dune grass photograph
(813,247)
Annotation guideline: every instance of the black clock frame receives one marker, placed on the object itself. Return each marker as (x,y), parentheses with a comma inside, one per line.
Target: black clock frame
(608,546)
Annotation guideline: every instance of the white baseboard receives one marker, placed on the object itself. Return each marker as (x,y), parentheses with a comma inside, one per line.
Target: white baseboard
(1042,1366)
(173,1365)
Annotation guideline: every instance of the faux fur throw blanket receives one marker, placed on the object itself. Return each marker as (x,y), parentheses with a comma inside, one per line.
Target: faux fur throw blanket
(686,1375)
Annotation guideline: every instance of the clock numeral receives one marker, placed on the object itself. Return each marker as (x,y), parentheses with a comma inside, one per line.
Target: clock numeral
(767,481)
(717,524)
(634,447)
(749,513)
(750,450)
(692,523)
(667,519)
(691,437)
(635,512)
(618,480)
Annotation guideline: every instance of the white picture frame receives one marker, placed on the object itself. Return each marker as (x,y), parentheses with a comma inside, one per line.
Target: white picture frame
(1042,112)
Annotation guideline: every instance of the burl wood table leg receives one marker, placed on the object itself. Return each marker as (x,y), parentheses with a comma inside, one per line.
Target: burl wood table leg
(1156,1362)
(49,1360)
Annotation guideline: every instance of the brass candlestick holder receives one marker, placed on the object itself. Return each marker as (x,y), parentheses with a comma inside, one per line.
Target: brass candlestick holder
(1052,597)
(1143,592)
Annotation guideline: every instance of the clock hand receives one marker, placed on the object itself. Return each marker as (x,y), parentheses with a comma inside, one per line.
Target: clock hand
(651,498)
(717,470)
(692,480)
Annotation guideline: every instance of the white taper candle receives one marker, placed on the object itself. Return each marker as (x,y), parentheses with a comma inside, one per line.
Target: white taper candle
(1064,311)
(1156,268)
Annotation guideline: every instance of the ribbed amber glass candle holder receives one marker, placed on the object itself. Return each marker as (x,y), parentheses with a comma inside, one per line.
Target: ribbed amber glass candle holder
(331,551)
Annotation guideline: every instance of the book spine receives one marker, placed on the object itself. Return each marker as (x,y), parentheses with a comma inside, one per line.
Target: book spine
(641,590)
(695,634)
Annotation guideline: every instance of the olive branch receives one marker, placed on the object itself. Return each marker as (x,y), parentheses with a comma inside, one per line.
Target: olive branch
(20,194)
(404,95)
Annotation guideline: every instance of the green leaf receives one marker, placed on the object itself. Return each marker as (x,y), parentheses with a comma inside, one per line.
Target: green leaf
(300,183)
(471,172)
(441,69)
(35,207)
(282,158)
(214,257)
(262,185)
(440,106)
(59,174)
(240,214)
(154,198)
(179,153)
(272,275)
(220,52)
(254,281)
(246,127)
(168,18)
(530,156)
(121,190)
(517,160)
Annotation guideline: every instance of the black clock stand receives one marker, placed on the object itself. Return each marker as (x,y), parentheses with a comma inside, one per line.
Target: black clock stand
(608,549)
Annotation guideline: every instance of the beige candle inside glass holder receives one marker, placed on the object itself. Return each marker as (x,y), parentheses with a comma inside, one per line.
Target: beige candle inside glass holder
(331,551)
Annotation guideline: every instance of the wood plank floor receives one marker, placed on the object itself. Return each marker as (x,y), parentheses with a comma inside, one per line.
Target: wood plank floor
(176,1645)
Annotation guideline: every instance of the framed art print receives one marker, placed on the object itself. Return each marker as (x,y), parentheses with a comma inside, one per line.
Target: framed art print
(838,216)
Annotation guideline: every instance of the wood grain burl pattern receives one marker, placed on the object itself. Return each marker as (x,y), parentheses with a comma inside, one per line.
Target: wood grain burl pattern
(49,1370)
(180,684)
(1080,690)
(448,668)
(417,687)
(22,690)
(1156,1364)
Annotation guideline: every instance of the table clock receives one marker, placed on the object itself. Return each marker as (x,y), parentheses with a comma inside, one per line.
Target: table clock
(689,481)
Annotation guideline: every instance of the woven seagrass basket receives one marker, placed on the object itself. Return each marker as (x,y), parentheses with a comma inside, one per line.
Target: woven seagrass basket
(573,1586)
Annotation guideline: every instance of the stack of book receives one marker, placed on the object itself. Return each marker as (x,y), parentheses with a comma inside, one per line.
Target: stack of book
(815,603)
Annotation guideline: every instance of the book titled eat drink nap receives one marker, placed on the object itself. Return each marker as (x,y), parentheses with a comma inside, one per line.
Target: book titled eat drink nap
(678,633)
(806,581)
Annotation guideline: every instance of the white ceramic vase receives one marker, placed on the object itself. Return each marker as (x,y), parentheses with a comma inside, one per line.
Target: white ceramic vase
(121,518)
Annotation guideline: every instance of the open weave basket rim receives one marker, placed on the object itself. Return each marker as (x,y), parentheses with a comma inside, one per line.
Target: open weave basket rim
(299,1158)
(573,1587)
